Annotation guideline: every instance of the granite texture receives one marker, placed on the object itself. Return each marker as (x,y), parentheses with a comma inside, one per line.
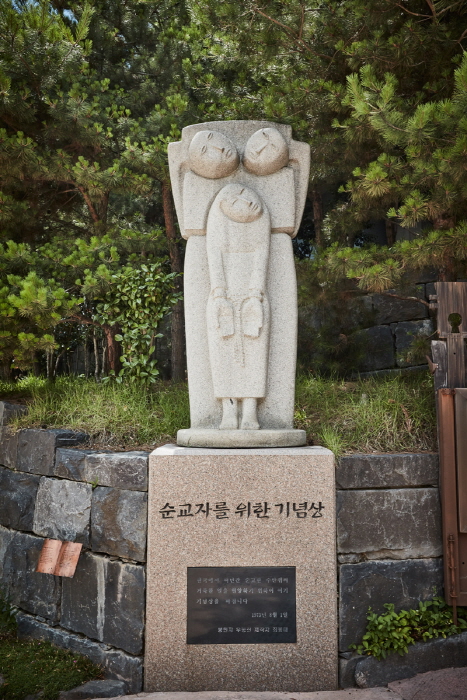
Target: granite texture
(36,593)
(389,471)
(192,437)
(123,470)
(445,684)
(389,523)
(116,664)
(108,688)
(8,411)
(389,309)
(105,601)
(36,448)
(378,344)
(8,447)
(374,583)
(71,464)
(17,499)
(63,510)
(119,522)
(421,657)
(239,189)
(405,333)
(179,476)
(354,694)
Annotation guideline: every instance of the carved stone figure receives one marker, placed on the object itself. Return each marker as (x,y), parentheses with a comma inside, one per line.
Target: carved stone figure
(239,190)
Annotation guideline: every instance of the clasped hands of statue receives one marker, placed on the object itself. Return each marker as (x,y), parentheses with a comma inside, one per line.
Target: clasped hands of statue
(248,312)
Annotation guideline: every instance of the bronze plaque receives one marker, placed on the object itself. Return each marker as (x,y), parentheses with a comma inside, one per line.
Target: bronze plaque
(241,605)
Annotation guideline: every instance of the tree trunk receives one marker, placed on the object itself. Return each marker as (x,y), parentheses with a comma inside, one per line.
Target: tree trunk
(390,232)
(113,348)
(176,263)
(317,217)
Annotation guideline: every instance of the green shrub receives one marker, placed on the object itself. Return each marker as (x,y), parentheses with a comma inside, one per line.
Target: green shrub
(394,632)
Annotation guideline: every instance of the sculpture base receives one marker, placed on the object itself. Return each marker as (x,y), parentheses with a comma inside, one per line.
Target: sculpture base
(207,437)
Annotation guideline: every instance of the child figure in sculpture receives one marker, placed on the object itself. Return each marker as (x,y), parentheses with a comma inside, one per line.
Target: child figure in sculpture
(238,240)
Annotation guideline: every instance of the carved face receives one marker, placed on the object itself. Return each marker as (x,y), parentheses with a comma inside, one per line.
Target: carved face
(266,152)
(240,204)
(212,155)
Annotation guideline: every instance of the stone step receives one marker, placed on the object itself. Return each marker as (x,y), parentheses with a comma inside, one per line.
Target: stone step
(348,694)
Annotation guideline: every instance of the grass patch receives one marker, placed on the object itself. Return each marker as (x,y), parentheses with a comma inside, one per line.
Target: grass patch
(31,666)
(115,415)
(378,414)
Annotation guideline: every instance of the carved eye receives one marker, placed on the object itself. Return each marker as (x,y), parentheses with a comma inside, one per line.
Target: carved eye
(266,135)
(242,190)
(204,149)
(210,135)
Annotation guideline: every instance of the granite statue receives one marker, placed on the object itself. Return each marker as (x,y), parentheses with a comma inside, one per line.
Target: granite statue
(239,189)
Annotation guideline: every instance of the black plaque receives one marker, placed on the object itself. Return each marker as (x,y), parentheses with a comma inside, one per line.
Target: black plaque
(241,605)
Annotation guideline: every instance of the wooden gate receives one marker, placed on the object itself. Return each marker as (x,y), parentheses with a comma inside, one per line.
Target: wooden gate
(450,385)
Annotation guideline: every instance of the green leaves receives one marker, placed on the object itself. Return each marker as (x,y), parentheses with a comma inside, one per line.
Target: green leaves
(136,302)
(395,632)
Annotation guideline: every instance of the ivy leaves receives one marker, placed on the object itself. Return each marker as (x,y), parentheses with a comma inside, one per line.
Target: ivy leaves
(136,302)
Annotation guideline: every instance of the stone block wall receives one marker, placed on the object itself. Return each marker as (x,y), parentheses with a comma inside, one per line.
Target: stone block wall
(49,489)
(387,326)
(388,545)
(389,541)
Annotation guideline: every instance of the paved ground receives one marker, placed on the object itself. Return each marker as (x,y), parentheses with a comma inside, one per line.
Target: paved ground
(447,684)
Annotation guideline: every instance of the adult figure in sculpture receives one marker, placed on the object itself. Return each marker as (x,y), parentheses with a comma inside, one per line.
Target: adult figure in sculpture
(238,237)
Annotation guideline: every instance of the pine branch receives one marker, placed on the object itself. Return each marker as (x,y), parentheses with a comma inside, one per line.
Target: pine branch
(404,298)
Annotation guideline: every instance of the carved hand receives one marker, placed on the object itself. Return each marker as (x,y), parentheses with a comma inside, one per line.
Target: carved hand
(252,317)
(225,317)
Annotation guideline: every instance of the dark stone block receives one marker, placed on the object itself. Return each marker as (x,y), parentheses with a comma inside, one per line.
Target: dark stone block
(63,510)
(124,606)
(389,309)
(367,471)
(105,601)
(36,448)
(389,523)
(8,411)
(116,663)
(374,583)
(405,334)
(17,499)
(95,689)
(378,344)
(123,470)
(8,448)
(36,593)
(430,290)
(71,464)
(119,522)
(421,657)
(83,597)
(347,670)
(5,540)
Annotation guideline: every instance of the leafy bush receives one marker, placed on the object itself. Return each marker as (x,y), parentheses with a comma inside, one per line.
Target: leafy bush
(394,632)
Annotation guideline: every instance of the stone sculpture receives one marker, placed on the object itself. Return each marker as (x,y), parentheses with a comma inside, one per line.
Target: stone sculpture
(239,189)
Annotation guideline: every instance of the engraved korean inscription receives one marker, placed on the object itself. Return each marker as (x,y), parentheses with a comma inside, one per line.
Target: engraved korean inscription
(241,605)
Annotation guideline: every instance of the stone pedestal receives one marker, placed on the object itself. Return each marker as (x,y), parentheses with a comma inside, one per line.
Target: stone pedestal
(272,507)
